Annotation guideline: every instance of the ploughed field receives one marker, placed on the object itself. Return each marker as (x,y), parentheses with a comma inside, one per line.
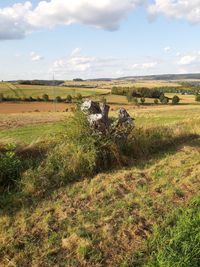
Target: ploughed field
(140,206)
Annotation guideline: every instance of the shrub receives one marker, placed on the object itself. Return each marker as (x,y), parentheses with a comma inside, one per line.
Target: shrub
(1,97)
(175,100)
(165,100)
(197,98)
(156,101)
(10,166)
(45,97)
(142,100)
(79,97)
(78,152)
(69,99)
(58,99)
(135,101)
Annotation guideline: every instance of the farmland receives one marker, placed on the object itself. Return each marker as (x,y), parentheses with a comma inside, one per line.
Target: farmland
(23,91)
(68,208)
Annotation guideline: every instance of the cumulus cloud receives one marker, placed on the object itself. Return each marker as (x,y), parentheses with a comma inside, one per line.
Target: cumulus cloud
(189,59)
(13,21)
(179,9)
(18,20)
(35,57)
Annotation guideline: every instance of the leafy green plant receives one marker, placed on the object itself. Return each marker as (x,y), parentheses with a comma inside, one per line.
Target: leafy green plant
(10,166)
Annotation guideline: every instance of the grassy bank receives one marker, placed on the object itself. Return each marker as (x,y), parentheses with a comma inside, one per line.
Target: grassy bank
(66,207)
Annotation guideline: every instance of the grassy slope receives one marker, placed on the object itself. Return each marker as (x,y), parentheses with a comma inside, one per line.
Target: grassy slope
(102,221)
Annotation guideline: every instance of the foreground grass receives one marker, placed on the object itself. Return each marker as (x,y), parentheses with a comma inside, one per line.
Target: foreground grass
(104,219)
(177,242)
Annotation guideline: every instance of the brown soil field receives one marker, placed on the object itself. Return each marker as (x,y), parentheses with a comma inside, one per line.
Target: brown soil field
(8,108)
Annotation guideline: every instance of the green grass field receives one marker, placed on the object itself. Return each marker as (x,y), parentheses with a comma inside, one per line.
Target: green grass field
(21,91)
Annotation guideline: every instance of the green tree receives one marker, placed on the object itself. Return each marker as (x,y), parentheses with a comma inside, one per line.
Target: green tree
(142,100)
(69,99)
(79,97)
(156,101)
(129,96)
(58,99)
(197,98)
(45,97)
(175,100)
(1,97)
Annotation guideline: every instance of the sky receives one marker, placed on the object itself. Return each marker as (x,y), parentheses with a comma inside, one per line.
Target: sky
(98,38)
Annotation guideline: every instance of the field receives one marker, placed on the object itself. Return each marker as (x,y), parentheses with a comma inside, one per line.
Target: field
(139,206)
(21,91)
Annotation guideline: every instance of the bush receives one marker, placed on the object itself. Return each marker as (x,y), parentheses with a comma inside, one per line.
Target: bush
(197,98)
(164,100)
(69,99)
(79,97)
(1,97)
(58,99)
(142,100)
(129,96)
(175,100)
(10,166)
(156,101)
(45,97)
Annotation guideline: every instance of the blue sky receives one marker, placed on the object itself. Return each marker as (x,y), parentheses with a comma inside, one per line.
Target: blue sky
(90,38)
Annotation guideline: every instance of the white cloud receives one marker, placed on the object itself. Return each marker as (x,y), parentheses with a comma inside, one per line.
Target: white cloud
(188,59)
(18,20)
(179,9)
(81,65)
(167,49)
(13,21)
(35,57)
(144,66)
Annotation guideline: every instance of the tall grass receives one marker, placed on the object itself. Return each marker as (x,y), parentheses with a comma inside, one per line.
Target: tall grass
(177,242)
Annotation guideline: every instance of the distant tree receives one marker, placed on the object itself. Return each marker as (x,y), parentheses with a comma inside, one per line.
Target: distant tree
(1,97)
(69,99)
(79,97)
(197,98)
(165,100)
(162,97)
(129,96)
(135,101)
(156,101)
(58,99)
(39,99)
(31,99)
(77,80)
(175,100)
(142,100)
(45,97)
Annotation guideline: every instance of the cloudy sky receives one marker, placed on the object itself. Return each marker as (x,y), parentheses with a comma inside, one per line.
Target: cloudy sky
(98,38)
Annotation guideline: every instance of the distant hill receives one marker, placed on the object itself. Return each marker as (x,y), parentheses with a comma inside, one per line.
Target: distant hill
(192,76)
